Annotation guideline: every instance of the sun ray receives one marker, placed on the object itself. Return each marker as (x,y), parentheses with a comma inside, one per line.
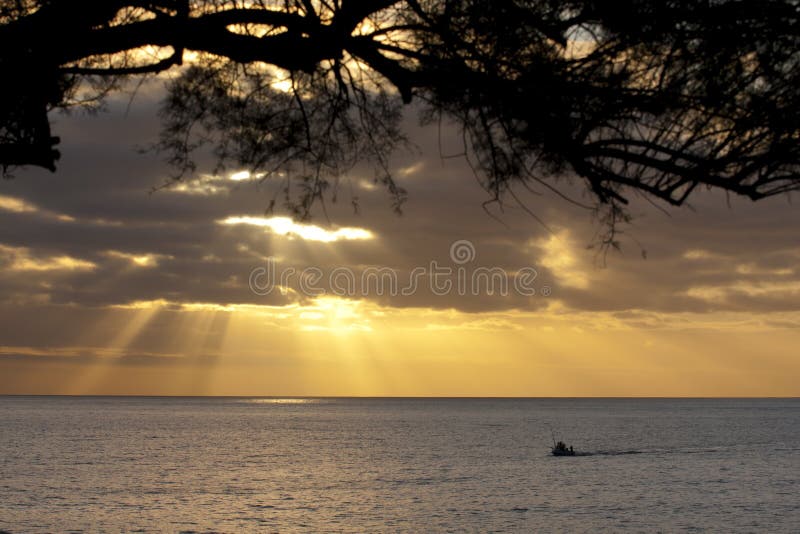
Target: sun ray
(116,337)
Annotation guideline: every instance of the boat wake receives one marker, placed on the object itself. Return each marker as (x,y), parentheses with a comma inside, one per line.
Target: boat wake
(608,453)
(648,451)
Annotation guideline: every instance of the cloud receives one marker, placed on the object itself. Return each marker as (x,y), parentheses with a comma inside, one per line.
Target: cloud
(211,184)
(199,240)
(101,355)
(16,205)
(243,175)
(206,185)
(755,269)
(700,254)
(489,324)
(147,260)
(411,170)
(559,255)
(287,227)
(21,259)
(723,293)
(90,252)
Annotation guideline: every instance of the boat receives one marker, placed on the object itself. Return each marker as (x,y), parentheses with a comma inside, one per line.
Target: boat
(561,449)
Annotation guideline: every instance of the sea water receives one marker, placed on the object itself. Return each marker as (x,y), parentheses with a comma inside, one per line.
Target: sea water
(127,464)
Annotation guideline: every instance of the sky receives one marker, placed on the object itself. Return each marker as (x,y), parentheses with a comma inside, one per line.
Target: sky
(107,287)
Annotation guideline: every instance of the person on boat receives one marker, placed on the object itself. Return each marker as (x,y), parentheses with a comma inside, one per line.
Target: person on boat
(570,450)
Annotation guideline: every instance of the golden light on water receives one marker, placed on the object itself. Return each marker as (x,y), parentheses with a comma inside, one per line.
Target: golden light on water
(283,400)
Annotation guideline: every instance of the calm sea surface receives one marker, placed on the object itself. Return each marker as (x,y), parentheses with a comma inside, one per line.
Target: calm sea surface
(98,464)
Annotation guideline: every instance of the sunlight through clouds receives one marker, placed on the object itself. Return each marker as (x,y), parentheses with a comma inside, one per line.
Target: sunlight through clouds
(560,258)
(211,184)
(702,255)
(722,293)
(205,185)
(287,227)
(147,260)
(335,315)
(338,346)
(16,205)
(240,176)
(21,259)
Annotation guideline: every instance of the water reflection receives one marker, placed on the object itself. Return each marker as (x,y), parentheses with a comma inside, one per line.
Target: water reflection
(278,400)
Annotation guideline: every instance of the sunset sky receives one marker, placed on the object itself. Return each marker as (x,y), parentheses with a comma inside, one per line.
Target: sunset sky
(106,288)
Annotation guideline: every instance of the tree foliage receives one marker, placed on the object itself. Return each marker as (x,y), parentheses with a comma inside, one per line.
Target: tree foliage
(631,97)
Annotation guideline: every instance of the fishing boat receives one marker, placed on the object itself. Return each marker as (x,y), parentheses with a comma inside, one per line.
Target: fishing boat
(561,449)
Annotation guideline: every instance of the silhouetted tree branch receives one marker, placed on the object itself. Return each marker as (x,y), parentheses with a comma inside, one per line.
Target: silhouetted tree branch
(660,98)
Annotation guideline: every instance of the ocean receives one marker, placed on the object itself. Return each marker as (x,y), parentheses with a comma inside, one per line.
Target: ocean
(138,464)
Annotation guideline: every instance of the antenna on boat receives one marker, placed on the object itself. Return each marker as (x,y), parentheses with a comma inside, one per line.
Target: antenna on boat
(552,434)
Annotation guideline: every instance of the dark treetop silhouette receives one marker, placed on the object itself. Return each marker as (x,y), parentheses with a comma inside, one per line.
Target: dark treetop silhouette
(656,98)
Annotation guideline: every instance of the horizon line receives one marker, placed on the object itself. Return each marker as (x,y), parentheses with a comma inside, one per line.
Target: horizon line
(409,397)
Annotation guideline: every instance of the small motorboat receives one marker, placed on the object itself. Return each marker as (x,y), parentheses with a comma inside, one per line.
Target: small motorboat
(561,449)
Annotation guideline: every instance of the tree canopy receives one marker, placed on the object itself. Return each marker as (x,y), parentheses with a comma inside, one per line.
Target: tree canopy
(630,97)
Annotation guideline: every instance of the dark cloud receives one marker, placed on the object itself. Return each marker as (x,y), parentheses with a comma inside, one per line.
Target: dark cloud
(99,208)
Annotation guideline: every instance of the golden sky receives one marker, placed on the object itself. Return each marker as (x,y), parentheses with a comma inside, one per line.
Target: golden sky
(106,289)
